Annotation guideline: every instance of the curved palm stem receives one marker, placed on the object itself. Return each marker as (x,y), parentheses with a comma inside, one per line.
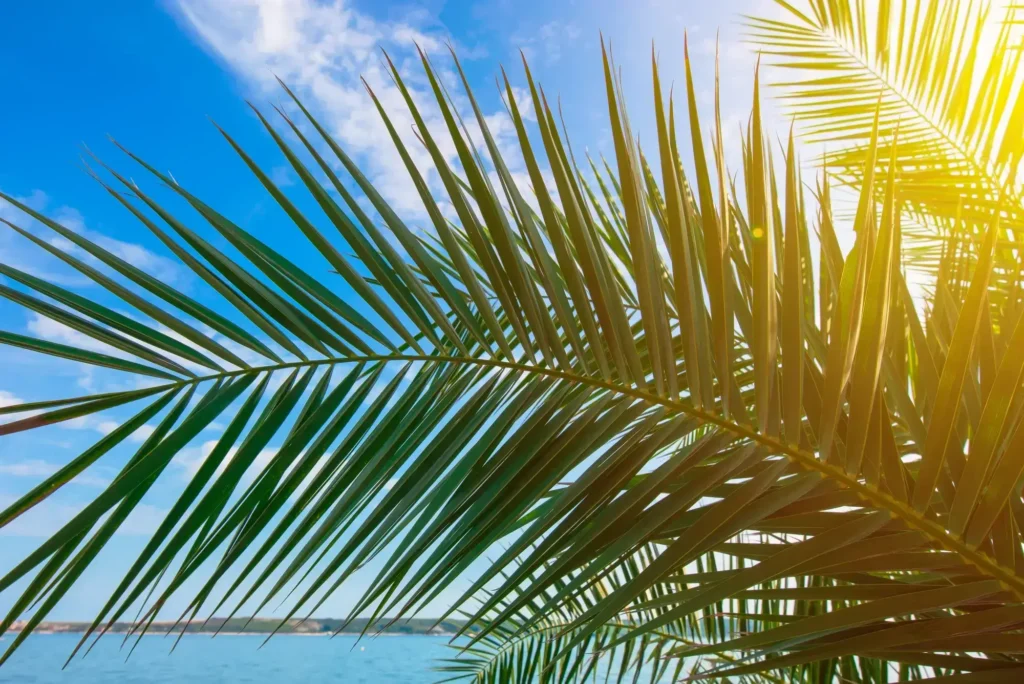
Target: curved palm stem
(868,494)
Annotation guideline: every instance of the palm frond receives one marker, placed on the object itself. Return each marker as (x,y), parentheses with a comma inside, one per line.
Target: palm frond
(948,75)
(685,438)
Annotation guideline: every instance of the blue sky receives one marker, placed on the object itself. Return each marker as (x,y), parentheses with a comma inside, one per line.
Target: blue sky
(152,74)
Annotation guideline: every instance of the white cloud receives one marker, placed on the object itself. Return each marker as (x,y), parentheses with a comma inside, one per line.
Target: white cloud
(189,460)
(46,518)
(547,41)
(732,53)
(98,423)
(321,49)
(524,101)
(54,331)
(142,434)
(32,259)
(166,270)
(8,399)
(16,250)
(282,176)
(36,200)
(262,460)
(49,329)
(37,468)
(31,468)
(105,427)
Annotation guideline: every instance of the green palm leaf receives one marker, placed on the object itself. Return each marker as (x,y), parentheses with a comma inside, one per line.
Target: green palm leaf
(687,448)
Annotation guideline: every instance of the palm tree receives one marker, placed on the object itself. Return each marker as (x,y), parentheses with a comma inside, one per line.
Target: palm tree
(685,431)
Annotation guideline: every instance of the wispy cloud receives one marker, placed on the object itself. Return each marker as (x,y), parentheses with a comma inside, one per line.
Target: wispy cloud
(282,176)
(189,460)
(547,41)
(9,399)
(55,331)
(321,50)
(47,518)
(18,251)
(167,270)
(38,469)
(90,378)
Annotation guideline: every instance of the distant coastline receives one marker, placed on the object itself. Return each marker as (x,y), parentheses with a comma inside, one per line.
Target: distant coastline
(243,626)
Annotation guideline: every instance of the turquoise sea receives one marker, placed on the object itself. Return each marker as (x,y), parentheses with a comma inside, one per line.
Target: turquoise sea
(200,659)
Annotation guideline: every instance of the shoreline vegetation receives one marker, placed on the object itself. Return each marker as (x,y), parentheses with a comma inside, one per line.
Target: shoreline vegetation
(241,626)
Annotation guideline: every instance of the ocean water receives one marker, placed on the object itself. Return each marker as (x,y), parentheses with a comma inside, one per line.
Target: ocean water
(199,659)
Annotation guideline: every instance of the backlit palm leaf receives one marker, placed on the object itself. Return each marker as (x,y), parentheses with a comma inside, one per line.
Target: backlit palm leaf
(947,73)
(679,439)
